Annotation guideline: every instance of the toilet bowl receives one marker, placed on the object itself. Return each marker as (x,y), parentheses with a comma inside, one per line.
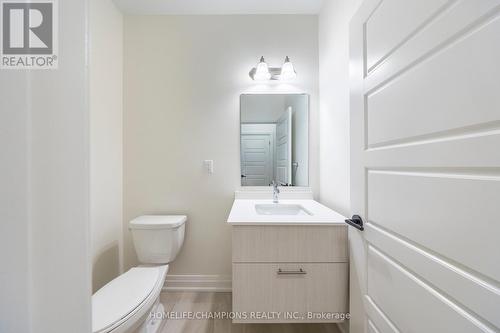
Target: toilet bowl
(130,303)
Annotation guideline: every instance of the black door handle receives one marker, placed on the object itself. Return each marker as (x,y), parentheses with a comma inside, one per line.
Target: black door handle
(356,221)
(243,176)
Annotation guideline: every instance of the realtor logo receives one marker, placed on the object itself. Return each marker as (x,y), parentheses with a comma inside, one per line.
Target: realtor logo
(29,34)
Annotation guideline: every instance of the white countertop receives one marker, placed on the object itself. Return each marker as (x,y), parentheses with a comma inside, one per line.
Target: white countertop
(244,213)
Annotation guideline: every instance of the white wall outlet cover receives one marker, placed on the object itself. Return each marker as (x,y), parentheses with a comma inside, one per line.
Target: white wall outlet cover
(209,165)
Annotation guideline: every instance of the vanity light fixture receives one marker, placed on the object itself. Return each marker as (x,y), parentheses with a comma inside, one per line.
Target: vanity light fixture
(288,71)
(262,72)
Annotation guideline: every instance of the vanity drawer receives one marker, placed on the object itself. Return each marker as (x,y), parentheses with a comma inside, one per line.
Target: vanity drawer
(285,289)
(288,243)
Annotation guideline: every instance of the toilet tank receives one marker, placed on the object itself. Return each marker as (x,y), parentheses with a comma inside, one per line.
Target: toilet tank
(157,238)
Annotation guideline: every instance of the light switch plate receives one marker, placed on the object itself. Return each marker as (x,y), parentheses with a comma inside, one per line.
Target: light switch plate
(209,165)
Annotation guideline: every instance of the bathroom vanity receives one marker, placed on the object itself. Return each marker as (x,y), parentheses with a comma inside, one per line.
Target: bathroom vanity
(290,261)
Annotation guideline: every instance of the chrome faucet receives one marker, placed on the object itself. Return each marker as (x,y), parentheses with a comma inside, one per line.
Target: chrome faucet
(276,192)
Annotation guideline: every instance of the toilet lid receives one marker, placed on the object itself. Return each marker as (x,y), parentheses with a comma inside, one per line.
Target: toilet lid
(158,222)
(120,297)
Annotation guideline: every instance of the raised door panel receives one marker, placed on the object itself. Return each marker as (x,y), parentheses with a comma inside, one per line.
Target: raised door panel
(436,312)
(462,98)
(443,212)
(394,22)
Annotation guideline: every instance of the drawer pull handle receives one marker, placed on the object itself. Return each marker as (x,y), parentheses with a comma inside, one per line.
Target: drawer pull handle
(300,272)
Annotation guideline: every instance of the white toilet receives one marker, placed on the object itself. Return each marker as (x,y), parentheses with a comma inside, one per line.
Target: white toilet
(126,304)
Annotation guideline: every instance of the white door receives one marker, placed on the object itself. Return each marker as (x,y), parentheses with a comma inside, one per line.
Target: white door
(256,160)
(284,148)
(425,166)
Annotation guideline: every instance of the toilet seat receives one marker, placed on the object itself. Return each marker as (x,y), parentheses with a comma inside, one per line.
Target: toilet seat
(120,304)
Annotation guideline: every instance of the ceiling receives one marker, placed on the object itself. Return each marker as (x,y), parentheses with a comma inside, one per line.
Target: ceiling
(219,7)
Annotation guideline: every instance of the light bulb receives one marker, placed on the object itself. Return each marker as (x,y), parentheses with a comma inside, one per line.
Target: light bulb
(262,71)
(288,71)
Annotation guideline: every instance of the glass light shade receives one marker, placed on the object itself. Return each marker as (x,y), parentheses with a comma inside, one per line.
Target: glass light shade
(262,71)
(288,71)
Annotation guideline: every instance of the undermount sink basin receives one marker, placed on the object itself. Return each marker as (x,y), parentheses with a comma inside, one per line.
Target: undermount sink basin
(280,209)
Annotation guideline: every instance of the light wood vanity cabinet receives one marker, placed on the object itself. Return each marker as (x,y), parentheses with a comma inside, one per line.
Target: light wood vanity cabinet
(296,271)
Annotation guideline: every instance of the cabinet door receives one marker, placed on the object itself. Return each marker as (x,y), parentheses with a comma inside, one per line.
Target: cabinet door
(294,291)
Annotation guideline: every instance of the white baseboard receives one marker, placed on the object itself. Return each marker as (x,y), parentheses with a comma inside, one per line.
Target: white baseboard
(214,283)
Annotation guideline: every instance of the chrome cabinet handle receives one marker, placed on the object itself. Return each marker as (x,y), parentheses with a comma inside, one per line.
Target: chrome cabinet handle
(299,272)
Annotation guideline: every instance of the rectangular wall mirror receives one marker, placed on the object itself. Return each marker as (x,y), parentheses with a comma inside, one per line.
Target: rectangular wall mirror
(274,139)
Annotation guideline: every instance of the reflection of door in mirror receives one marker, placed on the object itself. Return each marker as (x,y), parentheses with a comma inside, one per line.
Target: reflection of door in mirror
(284,149)
(257,142)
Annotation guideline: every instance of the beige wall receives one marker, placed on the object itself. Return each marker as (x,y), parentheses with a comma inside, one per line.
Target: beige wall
(106,158)
(182,80)
(334,111)
(334,21)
